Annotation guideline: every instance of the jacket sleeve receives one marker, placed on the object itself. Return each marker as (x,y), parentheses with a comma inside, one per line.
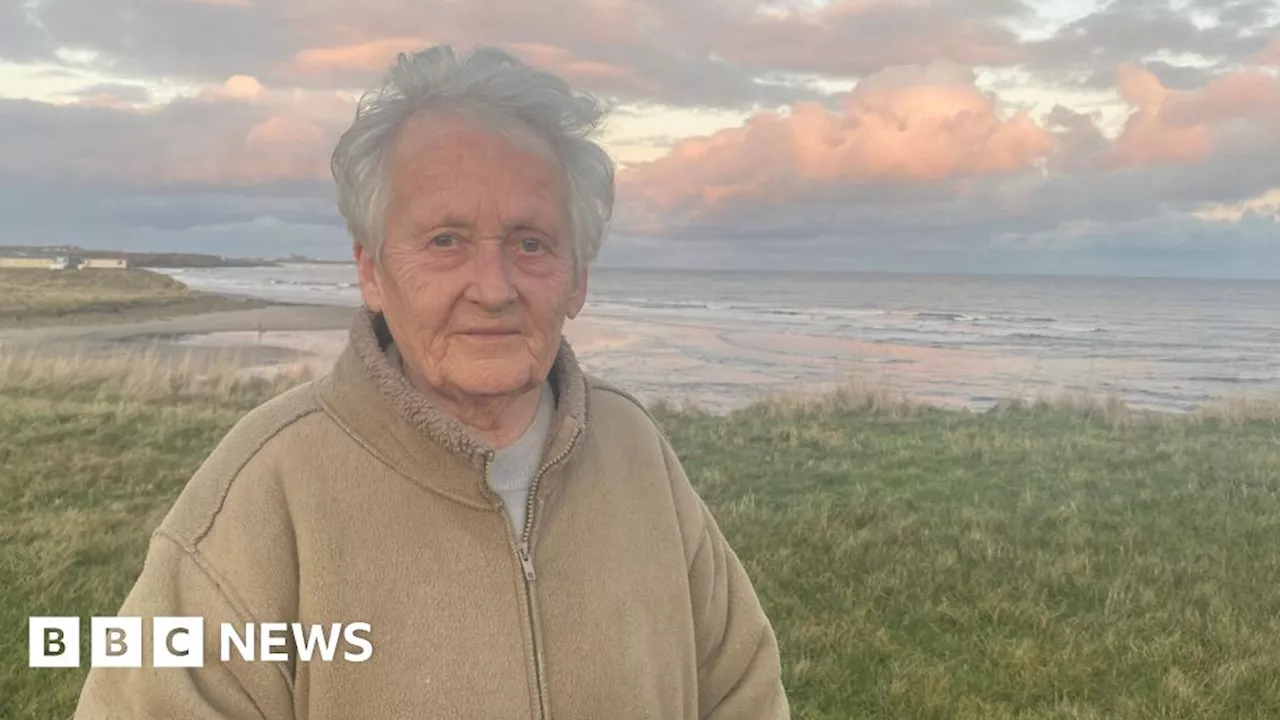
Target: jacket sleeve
(739,669)
(175,582)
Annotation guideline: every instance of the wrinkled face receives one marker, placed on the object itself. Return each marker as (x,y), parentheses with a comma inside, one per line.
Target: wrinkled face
(475,272)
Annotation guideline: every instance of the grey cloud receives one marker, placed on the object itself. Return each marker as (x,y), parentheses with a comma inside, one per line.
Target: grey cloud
(188,140)
(27,207)
(685,79)
(20,39)
(848,42)
(264,221)
(1088,50)
(163,38)
(1239,13)
(128,93)
(99,177)
(82,143)
(1081,144)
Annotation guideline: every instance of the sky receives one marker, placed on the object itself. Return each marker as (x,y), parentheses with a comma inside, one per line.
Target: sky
(1133,137)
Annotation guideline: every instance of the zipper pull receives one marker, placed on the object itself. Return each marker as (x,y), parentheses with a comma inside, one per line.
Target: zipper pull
(526,562)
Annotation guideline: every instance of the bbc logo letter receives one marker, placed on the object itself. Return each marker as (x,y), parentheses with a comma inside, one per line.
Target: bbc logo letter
(177,642)
(115,642)
(53,642)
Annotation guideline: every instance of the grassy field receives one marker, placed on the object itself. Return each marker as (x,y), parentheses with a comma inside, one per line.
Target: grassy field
(1070,560)
(30,296)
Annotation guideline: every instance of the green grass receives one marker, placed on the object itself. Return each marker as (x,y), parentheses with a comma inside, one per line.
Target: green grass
(1066,559)
(30,296)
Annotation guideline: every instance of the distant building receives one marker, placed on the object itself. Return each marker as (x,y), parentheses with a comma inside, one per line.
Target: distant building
(27,262)
(116,263)
(64,262)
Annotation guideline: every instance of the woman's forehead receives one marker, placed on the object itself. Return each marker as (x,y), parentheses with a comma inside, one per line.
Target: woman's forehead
(465,199)
(445,171)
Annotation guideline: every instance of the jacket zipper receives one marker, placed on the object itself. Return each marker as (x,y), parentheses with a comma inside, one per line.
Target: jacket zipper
(525,556)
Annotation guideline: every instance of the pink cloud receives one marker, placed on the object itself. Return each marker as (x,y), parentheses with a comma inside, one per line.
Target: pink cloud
(904,125)
(371,57)
(282,147)
(237,132)
(279,147)
(1241,95)
(1181,127)
(576,70)
(236,87)
(1149,138)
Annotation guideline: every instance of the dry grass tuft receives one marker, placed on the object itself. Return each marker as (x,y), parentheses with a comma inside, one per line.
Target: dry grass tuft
(1241,409)
(852,396)
(882,397)
(149,374)
(1082,404)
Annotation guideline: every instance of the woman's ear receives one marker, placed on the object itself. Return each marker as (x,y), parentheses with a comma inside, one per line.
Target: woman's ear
(578,297)
(367,268)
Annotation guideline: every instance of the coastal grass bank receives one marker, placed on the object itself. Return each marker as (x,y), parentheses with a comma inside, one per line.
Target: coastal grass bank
(32,297)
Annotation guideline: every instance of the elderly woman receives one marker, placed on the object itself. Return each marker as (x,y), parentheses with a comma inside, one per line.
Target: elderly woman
(519,536)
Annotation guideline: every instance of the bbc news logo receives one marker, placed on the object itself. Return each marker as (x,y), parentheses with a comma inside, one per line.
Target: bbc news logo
(178,642)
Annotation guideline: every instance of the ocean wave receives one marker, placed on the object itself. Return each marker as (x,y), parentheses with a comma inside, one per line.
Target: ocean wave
(1228,379)
(934,315)
(962,317)
(1030,336)
(310,283)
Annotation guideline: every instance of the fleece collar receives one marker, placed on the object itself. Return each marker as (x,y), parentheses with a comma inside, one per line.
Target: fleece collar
(369,395)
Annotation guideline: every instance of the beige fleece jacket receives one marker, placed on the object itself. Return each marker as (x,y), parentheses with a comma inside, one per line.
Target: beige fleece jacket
(352,498)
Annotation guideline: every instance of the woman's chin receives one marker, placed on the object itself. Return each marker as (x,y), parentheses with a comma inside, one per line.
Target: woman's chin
(491,376)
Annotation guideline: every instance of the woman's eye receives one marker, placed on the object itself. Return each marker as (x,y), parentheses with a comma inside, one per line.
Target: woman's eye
(531,244)
(444,241)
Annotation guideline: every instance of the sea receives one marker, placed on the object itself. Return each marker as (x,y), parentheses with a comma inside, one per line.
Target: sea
(724,338)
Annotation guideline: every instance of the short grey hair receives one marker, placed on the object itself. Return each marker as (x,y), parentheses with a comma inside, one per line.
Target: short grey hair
(497,89)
